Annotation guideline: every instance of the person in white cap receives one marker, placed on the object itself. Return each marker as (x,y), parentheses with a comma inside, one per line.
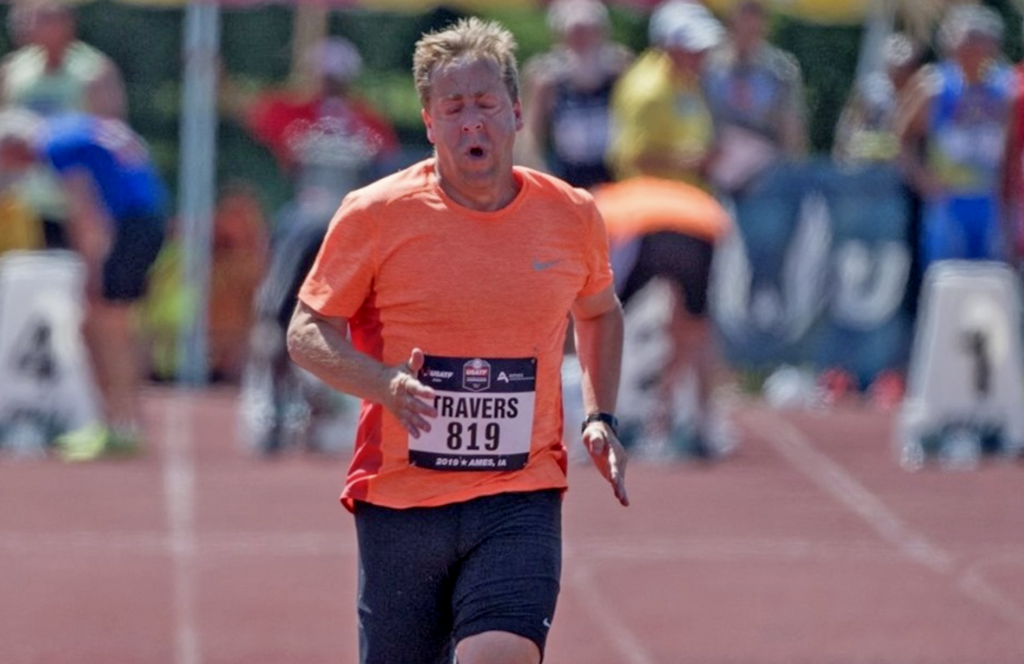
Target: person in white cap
(662,124)
(664,140)
(307,129)
(957,128)
(568,90)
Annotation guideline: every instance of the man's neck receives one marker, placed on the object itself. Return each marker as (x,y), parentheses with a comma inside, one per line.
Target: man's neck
(55,57)
(488,197)
(745,53)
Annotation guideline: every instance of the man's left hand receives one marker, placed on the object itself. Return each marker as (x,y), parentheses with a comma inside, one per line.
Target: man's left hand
(609,456)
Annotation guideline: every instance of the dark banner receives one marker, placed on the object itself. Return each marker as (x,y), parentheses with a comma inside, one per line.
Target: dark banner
(816,273)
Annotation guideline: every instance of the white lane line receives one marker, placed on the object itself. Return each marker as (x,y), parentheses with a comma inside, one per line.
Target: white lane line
(973,582)
(797,449)
(179,473)
(834,480)
(629,646)
(210,545)
(707,550)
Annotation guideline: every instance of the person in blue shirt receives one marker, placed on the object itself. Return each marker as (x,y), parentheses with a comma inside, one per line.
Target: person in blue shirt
(117,204)
(955,127)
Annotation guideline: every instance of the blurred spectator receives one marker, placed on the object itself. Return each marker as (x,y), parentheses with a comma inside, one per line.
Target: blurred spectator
(1015,172)
(326,140)
(867,134)
(567,93)
(117,227)
(756,94)
(661,225)
(240,252)
(955,130)
(663,229)
(238,264)
(283,405)
(866,131)
(53,72)
(663,126)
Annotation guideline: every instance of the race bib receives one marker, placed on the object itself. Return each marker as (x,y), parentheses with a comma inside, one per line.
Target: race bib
(485,414)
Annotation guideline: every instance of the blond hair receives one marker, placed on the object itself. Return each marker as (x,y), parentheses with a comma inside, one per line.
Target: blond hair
(470,39)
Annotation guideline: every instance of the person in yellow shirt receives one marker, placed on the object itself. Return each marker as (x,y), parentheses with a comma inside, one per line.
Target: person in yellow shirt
(663,221)
(662,126)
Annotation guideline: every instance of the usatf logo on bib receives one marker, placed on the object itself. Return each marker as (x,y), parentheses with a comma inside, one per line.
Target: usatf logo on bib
(476,375)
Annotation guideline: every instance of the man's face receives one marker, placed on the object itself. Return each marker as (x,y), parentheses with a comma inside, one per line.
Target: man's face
(685,60)
(976,50)
(748,25)
(471,121)
(52,29)
(583,37)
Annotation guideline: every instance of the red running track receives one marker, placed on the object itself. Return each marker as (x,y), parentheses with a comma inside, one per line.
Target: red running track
(808,546)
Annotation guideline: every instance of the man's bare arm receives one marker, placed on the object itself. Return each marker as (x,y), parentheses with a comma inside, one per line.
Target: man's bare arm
(321,346)
(598,325)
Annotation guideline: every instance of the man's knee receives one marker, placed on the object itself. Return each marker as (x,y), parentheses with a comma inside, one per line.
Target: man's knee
(497,648)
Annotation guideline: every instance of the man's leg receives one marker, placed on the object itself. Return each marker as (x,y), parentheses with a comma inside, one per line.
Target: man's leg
(111,336)
(497,648)
(115,349)
(406,565)
(507,586)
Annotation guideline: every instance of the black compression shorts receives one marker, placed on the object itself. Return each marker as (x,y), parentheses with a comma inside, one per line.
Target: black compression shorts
(682,259)
(432,576)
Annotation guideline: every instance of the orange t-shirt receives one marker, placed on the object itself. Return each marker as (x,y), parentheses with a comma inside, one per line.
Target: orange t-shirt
(408,267)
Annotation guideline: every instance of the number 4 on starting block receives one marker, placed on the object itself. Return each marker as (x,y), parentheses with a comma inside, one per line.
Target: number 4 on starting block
(46,383)
(965,389)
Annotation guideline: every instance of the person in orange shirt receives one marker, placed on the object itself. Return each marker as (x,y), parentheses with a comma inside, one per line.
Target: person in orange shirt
(666,230)
(441,297)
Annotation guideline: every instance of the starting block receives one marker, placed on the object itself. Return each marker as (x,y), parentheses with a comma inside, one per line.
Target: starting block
(965,388)
(46,381)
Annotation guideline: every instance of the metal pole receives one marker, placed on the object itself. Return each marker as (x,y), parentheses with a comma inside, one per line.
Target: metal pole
(196,181)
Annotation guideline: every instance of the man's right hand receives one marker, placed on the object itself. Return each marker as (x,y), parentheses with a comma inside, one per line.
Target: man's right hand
(408,399)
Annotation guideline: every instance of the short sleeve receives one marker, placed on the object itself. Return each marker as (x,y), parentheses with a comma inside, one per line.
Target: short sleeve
(599,269)
(342,276)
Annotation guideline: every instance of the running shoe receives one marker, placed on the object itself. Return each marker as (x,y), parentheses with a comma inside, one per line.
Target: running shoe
(96,441)
(85,444)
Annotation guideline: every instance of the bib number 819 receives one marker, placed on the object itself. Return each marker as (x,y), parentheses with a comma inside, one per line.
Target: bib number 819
(460,435)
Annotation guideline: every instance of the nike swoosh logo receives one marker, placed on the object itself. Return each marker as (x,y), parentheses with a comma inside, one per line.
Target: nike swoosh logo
(547,623)
(543,265)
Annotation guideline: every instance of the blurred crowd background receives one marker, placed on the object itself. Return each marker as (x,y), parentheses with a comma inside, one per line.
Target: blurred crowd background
(281,63)
(259,43)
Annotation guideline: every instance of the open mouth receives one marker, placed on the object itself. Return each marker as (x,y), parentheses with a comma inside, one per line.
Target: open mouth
(476,152)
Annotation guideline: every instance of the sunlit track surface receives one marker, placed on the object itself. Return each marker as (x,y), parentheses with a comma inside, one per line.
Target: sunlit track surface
(808,545)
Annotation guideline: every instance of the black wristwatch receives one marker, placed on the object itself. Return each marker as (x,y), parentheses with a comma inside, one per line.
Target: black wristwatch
(607,418)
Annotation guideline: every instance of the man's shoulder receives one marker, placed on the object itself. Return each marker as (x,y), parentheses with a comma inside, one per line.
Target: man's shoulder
(780,62)
(393,188)
(26,56)
(552,188)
